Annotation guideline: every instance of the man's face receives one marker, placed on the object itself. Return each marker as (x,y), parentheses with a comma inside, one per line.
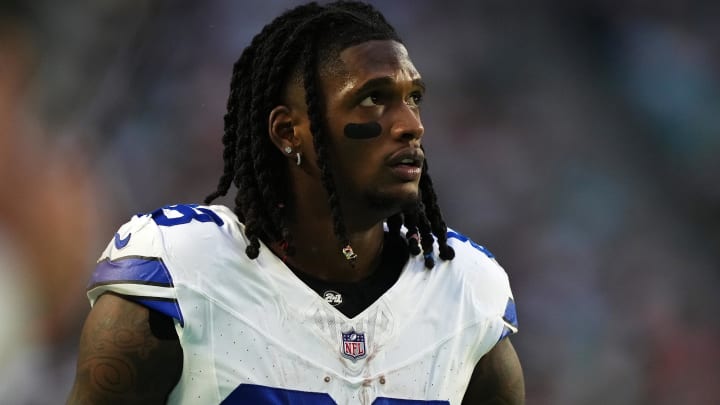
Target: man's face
(373,119)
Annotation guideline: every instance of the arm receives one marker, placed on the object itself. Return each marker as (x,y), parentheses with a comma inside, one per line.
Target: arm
(121,360)
(497,379)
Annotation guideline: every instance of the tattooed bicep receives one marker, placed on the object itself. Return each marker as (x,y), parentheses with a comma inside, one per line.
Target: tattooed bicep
(121,360)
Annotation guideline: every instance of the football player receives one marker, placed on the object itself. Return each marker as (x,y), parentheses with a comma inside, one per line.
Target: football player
(334,279)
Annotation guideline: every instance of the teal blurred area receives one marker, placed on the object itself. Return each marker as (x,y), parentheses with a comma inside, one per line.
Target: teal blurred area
(578,141)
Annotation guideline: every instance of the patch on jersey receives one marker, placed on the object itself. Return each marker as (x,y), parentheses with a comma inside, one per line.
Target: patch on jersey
(333,298)
(353,345)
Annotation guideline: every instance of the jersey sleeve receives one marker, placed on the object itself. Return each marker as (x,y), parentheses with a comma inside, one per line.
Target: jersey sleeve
(133,265)
(490,285)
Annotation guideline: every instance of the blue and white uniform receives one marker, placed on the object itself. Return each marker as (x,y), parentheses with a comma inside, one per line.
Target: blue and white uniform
(253,333)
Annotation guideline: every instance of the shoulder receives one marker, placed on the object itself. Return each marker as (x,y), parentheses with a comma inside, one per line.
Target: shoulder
(151,254)
(478,271)
(172,228)
(477,265)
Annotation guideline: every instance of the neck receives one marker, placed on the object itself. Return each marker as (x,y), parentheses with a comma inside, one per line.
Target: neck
(318,252)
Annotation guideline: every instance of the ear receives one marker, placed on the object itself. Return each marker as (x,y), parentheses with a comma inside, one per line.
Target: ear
(280,128)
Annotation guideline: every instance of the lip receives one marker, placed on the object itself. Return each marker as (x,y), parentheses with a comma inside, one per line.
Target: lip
(406,171)
(413,153)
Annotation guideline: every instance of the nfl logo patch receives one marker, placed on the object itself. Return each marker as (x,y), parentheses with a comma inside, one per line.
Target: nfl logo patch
(353,345)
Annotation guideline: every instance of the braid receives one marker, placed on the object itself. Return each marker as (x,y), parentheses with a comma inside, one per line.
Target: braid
(249,154)
(299,42)
(426,237)
(425,222)
(314,109)
(233,119)
(433,214)
(229,138)
(281,46)
(394,223)
(249,168)
(413,234)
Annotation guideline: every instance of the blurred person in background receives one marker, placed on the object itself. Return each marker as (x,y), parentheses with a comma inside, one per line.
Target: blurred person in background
(47,219)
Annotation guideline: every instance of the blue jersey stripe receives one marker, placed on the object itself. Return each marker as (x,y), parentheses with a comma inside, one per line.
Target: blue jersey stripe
(510,315)
(133,269)
(510,318)
(138,270)
(505,333)
(395,401)
(463,238)
(251,394)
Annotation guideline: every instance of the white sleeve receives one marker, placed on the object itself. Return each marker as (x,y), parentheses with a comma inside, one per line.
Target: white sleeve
(133,266)
(489,284)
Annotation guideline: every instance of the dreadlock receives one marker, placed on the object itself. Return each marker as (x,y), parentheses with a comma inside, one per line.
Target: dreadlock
(298,43)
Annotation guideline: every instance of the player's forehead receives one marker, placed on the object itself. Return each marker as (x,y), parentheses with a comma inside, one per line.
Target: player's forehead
(378,58)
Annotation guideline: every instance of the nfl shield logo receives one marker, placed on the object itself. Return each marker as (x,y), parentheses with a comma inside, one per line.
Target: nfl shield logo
(353,345)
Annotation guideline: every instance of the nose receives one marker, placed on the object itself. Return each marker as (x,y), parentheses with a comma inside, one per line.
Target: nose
(407,124)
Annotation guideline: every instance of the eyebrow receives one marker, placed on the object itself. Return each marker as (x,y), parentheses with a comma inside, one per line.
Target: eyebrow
(385,81)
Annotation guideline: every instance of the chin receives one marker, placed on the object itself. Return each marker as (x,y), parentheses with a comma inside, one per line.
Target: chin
(393,202)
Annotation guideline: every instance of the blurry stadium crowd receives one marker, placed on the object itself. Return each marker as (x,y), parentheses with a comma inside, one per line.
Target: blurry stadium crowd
(577,142)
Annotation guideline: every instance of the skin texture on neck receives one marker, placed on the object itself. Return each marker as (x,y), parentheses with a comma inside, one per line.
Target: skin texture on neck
(377,83)
(317,250)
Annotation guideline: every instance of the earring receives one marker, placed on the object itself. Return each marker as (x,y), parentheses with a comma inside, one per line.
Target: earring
(288,150)
(298,159)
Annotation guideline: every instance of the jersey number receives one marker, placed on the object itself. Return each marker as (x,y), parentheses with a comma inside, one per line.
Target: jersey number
(172,215)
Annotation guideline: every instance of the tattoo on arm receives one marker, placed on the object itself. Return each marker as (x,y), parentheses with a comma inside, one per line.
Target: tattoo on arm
(120,360)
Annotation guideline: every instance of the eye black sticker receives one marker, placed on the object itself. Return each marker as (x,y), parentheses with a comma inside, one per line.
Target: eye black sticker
(363,131)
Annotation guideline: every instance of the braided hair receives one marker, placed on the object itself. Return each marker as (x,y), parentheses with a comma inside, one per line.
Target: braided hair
(297,44)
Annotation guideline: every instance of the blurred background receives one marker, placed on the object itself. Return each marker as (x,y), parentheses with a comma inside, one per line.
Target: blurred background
(578,141)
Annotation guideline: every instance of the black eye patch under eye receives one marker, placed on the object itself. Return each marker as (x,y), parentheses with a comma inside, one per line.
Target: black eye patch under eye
(363,131)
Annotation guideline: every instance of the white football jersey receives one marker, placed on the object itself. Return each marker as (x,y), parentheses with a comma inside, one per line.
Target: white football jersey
(253,333)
